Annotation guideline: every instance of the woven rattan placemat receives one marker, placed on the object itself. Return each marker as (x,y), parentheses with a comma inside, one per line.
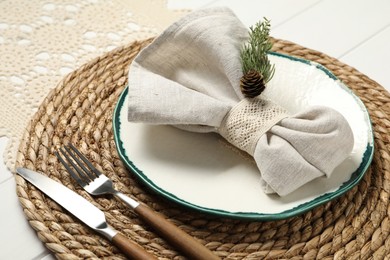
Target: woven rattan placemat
(80,108)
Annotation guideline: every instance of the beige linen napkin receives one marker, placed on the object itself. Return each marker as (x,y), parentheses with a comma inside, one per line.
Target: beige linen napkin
(189,77)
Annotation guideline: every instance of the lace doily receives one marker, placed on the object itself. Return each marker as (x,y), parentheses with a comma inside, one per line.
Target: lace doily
(42,41)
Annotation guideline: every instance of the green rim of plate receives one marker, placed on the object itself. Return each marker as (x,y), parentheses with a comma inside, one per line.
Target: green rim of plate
(302,208)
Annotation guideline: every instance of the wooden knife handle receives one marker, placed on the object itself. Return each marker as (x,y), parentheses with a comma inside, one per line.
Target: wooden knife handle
(131,249)
(177,237)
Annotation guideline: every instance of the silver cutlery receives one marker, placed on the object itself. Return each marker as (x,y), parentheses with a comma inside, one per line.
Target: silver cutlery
(84,211)
(96,183)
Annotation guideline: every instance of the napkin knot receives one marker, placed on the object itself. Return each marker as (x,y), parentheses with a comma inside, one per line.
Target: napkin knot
(189,77)
(248,120)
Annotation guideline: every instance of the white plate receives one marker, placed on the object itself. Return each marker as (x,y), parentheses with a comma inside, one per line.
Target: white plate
(202,172)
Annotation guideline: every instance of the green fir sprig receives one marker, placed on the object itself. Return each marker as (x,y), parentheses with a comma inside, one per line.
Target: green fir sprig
(254,52)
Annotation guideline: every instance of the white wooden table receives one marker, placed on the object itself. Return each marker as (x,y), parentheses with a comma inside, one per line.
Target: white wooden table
(355,32)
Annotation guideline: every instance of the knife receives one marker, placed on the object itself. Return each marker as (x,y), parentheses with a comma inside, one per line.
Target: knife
(84,211)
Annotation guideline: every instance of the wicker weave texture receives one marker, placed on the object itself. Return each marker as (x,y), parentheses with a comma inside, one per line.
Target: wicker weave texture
(79,110)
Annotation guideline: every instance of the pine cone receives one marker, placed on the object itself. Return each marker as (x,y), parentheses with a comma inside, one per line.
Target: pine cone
(252,84)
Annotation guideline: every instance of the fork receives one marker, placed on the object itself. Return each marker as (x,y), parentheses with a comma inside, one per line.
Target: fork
(96,183)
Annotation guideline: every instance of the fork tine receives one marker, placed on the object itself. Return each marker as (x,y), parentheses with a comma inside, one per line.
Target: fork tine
(82,172)
(85,160)
(74,175)
(78,165)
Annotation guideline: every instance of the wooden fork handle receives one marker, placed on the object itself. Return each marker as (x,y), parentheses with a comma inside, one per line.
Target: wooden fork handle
(177,237)
(131,249)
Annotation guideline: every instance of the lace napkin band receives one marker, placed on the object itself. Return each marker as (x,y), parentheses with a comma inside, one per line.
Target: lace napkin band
(248,120)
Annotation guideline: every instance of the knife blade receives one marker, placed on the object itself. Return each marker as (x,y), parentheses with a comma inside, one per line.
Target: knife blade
(84,211)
